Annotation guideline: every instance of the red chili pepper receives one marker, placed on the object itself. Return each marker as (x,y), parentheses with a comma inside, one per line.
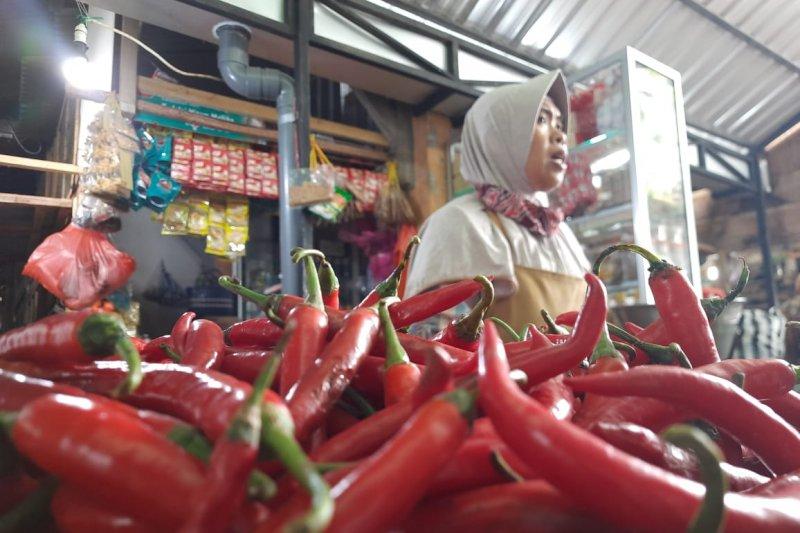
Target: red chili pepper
(764,379)
(74,512)
(462,362)
(567,318)
(89,445)
(369,378)
(321,386)
(646,445)
(555,396)
(385,487)
(73,338)
(401,376)
(388,287)
(788,406)
(205,399)
(369,434)
(427,304)
(232,460)
(785,486)
(551,361)
(260,332)
(526,506)
(649,352)
(181,329)
(154,351)
(634,329)
(677,304)
(203,345)
(329,284)
(339,420)
(474,464)
(464,332)
(717,400)
(613,485)
(306,324)
(657,332)
(244,362)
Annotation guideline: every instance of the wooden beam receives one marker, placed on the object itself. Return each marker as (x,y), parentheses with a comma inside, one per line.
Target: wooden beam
(259,133)
(34,201)
(195,118)
(172,91)
(41,165)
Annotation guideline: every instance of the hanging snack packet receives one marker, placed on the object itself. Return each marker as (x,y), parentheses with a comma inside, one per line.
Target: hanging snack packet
(198,214)
(176,218)
(215,241)
(332,211)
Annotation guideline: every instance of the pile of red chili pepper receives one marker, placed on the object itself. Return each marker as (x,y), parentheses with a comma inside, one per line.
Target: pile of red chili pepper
(317,418)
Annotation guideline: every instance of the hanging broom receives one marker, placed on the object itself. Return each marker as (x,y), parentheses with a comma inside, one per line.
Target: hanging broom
(392,207)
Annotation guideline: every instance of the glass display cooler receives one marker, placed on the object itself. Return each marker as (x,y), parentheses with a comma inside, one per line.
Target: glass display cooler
(628,138)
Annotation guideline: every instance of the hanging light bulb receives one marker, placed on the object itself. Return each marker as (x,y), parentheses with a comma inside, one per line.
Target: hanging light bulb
(75,67)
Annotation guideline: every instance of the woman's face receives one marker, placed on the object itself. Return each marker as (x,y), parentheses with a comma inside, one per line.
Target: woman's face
(547,158)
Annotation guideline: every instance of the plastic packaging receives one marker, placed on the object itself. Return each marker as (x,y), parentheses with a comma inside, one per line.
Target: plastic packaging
(79,266)
(314,184)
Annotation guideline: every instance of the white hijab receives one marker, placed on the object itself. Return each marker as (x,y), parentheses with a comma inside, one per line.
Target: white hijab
(498,130)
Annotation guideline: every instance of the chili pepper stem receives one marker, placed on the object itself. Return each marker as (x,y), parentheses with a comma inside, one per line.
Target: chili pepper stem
(552,327)
(629,350)
(506,328)
(99,335)
(503,468)
(358,401)
(469,326)
(714,307)
(662,355)
(604,347)
(711,515)
(124,348)
(327,277)
(313,287)
(463,398)
(324,468)
(263,301)
(395,353)
(31,510)
(389,286)
(285,447)
(7,420)
(174,356)
(656,263)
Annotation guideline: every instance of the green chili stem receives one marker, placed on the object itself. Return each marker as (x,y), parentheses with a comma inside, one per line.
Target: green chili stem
(604,347)
(629,350)
(714,307)
(235,286)
(285,447)
(552,327)
(503,468)
(711,515)
(358,401)
(174,356)
(259,485)
(30,511)
(328,281)
(324,468)
(506,327)
(469,326)
(656,263)
(101,335)
(7,420)
(126,349)
(389,286)
(313,288)
(464,399)
(660,355)
(395,353)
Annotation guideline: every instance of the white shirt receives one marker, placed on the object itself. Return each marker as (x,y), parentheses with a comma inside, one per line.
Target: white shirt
(460,241)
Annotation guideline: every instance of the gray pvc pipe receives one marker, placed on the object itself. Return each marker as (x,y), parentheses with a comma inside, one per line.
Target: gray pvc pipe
(258,83)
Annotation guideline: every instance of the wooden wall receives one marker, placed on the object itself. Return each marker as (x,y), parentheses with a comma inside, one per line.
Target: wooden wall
(432,134)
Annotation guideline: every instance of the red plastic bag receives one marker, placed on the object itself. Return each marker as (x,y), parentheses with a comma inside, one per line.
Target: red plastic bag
(79,266)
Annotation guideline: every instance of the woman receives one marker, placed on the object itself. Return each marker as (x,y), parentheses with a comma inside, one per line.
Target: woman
(513,151)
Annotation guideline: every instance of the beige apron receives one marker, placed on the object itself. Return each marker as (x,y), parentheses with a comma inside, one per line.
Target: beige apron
(538,289)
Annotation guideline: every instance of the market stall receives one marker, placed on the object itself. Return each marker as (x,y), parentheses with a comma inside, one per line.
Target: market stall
(219,320)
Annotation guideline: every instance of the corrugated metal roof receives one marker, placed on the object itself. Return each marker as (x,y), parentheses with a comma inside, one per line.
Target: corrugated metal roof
(739,59)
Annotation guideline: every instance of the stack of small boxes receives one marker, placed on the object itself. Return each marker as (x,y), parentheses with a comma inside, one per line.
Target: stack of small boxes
(199,163)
